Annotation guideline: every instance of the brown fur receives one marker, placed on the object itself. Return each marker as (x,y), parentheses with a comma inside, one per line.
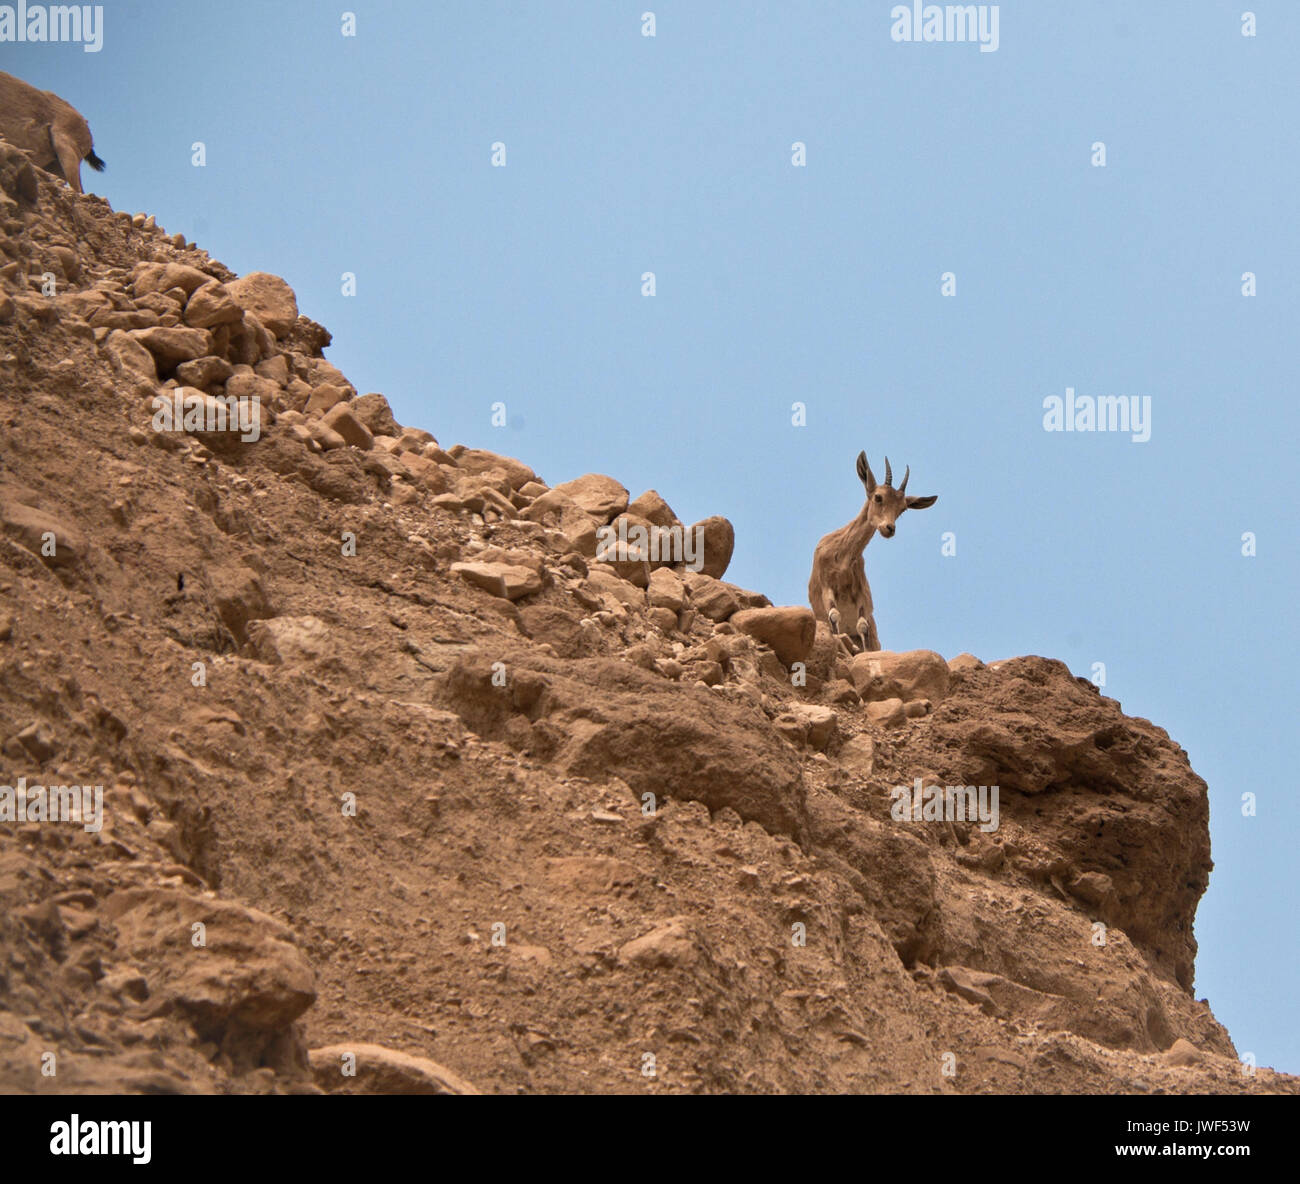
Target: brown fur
(838,590)
(53,133)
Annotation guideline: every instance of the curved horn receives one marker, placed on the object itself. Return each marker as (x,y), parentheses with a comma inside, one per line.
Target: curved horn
(889,473)
(903,488)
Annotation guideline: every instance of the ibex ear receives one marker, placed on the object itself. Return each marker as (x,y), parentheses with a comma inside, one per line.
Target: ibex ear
(864,473)
(921,503)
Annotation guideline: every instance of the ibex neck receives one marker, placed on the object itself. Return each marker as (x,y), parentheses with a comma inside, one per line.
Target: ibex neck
(860,532)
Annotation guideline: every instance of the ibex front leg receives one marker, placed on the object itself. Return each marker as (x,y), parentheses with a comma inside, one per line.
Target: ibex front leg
(843,640)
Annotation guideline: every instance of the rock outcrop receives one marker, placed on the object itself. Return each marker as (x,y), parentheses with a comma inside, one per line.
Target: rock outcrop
(401,768)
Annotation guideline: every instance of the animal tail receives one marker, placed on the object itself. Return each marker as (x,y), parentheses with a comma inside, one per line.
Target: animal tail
(94,161)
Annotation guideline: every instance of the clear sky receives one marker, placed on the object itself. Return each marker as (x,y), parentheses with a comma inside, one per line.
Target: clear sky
(779,284)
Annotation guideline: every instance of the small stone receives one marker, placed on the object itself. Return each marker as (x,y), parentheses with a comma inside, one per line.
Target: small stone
(887,713)
(506,580)
(1183,1052)
(668,945)
(324,397)
(204,373)
(858,755)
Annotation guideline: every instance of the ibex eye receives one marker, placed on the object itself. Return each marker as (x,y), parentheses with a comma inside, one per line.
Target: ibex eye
(879,500)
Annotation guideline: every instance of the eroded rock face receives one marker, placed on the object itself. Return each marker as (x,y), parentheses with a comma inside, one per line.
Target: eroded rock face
(347,768)
(234,971)
(657,740)
(1105,793)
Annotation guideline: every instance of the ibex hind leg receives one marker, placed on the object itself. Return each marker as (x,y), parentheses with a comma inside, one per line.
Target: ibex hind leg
(65,150)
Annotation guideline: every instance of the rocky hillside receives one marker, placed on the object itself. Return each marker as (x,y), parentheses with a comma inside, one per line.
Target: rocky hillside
(395,767)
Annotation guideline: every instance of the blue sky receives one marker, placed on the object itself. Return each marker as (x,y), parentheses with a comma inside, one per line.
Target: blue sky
(821,285)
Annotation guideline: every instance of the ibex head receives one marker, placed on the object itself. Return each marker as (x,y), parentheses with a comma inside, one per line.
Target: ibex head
(884,502)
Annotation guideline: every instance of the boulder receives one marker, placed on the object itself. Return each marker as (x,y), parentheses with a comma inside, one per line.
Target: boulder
(276,368)
(375,415)
(476,460)
(328,439)
(56,543)
(561,513)
(710,597)
(671,944)
(666,590)
(320,371)
(820,723)
(373,1069)
(714,539)
(268,298)
(857,755)
(608,583)
(252,386)
(162,277)
(425,472)
(289,641)
(324,397)
(506,580)
(210,306)
(789,630)
(171,347)
(340,419)
(204,373)
(224,429)
(600,496)
(886,713)
(1183,1053)
(653,508)
(239,598)
(915,674)
(130,355)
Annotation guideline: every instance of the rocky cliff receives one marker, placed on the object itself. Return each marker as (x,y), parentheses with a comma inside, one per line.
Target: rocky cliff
(397,771)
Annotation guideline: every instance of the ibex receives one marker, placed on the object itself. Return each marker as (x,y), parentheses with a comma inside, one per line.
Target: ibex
(838,590)
(52,132)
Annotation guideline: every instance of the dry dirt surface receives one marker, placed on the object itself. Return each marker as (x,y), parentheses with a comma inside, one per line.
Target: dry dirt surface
(405,791)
